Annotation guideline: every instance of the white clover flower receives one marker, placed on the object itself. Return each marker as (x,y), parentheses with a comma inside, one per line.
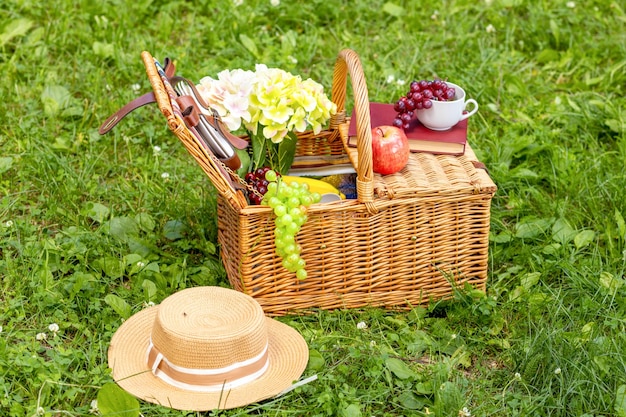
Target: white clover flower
(453,336)
(400,82)
(41,336)
(518,375)
(361,325)
(156,149)
(94,407)
(140,264)
(53,327)
(557,371)
(135,87)
(390,78)
(570,4)
(165,175)
(275,3)
(8,223)
(490,28)
(465,412)
(372,343)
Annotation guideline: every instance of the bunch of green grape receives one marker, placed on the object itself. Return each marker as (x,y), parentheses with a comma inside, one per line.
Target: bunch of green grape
(289,203)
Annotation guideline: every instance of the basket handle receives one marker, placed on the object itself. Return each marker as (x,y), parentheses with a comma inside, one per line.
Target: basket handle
(348,62)
(178,127)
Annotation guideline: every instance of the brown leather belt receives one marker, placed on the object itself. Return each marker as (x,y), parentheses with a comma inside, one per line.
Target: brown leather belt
(208,129)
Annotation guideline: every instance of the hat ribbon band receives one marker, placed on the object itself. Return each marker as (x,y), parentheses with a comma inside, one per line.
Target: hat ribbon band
(207,380)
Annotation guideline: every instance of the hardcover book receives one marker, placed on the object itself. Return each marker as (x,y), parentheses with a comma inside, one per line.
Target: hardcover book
(421,139)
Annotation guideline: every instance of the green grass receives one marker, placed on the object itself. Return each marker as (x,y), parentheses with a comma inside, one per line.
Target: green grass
(91,231)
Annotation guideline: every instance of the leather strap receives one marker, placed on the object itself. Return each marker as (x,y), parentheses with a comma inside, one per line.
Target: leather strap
(235,141)
(147,98)
(115,118)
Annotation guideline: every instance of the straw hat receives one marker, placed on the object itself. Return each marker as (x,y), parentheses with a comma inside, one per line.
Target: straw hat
(206,348)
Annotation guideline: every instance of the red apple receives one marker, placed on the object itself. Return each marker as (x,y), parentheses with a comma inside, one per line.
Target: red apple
(390,149)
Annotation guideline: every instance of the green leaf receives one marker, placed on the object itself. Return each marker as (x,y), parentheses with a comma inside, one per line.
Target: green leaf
(145,222)
(615,125)
(132,258)
(259,150)
(353,410)
(584,238)
(118,304)
(244,157)
(104,50)
(110,266)
(610,282)
(97,212)
(286,152)
(249,44)
(410,401)
(15,28)
(531,228)
(551,249)
(316,361)
(562,232)
(620,401)
(149,289)
(174,229)
(503,237)
(393,9)
(123,228)
(54,99)
(530,279)
(114,401)
(6,162)
(399,368)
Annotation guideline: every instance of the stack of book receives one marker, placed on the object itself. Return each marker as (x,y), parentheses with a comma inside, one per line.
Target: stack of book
(421,139)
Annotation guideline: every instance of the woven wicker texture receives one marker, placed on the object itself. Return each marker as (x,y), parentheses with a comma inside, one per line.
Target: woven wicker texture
(406,239)
(234,325)
(200,322)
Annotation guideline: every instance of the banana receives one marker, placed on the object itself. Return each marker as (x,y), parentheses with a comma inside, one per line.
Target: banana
(315,186)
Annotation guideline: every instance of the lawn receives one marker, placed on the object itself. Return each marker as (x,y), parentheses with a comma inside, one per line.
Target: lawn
(94,228)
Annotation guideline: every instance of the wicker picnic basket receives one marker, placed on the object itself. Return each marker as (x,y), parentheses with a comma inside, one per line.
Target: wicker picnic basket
(407,239)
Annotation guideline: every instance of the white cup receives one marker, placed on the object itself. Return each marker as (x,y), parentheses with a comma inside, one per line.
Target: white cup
(443,115)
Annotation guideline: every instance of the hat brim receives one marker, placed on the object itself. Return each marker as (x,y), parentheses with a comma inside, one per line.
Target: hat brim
(288,357)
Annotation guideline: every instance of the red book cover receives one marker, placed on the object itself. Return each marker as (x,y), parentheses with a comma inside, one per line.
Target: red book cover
(421,139)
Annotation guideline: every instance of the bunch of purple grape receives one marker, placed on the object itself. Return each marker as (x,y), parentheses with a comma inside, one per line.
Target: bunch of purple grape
(258,182)
(420,96)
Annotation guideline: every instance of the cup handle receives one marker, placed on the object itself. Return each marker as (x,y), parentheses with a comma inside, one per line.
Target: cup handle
(474,110)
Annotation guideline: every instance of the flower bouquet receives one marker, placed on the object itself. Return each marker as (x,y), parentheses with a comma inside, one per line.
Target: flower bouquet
(272,105)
